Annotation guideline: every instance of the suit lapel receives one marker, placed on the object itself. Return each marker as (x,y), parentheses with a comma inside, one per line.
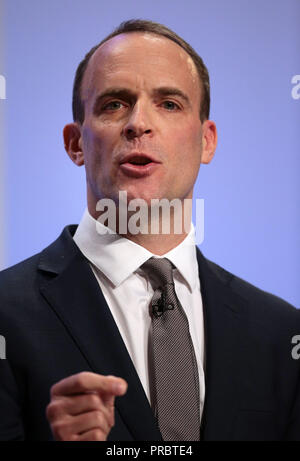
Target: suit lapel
(223,349)
(75,296)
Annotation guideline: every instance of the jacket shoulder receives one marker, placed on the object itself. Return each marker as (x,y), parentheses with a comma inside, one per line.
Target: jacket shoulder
(19,273)
(20,279)
(258,303)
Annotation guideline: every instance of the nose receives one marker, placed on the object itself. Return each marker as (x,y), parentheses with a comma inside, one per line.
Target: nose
(138,123)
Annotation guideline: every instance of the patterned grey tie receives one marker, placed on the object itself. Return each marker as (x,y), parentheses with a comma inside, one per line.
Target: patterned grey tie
(176,381)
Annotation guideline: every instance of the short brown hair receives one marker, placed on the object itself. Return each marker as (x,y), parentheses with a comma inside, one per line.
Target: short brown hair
(140,25)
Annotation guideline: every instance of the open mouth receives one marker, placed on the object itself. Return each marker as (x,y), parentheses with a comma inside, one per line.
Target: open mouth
(138,165)
(139,160)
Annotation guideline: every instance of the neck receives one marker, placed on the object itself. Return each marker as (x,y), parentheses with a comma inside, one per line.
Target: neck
(157,244)
(157,229)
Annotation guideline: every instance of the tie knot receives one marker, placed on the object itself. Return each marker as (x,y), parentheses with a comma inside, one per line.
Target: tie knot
(159,270)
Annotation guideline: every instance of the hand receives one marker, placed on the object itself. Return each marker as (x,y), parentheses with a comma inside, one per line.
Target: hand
(82,406)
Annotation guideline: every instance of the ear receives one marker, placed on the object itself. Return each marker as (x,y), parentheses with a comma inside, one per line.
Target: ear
(209,141)
(73,143)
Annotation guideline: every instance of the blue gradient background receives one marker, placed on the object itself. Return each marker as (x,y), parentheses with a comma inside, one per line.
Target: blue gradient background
(251,188)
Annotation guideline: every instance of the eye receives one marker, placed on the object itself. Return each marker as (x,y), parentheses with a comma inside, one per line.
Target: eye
(170,105)
(113,105)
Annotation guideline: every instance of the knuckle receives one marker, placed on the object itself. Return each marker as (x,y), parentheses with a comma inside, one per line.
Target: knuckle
(94,400)
(110,425)
(99,418)
(52,410)
(112,421)
(59,430)
(53,389)
(103,421)
(80,379)
(98,435)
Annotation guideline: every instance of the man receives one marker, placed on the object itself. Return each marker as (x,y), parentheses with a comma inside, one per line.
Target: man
(87,321)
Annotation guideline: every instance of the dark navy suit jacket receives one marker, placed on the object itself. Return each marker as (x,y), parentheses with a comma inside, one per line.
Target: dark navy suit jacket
(56,323)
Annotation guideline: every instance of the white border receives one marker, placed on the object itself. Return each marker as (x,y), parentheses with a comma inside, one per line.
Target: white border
(2,144)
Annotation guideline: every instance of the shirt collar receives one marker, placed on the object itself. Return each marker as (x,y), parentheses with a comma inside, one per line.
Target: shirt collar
(118,257)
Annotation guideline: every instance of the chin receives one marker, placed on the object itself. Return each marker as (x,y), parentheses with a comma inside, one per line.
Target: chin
(140,193)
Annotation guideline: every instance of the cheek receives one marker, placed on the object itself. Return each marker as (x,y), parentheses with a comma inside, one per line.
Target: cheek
(189,143)
(96,144)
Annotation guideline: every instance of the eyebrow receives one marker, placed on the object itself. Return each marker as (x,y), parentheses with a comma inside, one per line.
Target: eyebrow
(125,93)
(171,91)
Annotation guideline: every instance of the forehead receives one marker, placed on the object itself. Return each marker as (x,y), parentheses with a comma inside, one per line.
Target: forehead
(141,60)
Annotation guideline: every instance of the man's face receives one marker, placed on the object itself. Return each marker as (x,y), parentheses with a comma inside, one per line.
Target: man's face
(141,96)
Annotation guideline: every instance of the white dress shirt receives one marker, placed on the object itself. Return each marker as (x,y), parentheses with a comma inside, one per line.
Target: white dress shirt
(115,261)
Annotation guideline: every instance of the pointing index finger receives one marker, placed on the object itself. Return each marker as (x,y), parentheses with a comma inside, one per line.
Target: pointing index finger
(87,381)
